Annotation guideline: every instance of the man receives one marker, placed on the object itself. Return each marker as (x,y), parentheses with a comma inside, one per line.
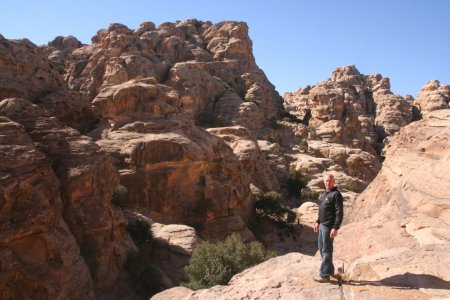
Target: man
(331,213)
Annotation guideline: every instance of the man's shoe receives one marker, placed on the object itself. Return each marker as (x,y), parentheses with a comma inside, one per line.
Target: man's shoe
(321,279)
(337,276)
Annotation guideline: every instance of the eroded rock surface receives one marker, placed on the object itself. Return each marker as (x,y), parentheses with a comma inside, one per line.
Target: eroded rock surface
(36,245)
(84,178)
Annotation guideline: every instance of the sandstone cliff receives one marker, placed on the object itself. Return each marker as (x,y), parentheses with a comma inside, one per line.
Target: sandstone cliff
(56,187)
(150,87)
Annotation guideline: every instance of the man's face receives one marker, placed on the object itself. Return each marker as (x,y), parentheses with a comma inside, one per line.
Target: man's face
(329,182)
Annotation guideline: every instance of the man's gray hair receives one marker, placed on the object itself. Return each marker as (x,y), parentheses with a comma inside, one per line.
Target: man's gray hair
(325,175)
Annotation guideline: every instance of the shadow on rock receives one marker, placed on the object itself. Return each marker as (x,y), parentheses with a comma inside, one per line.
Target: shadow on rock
(407,281)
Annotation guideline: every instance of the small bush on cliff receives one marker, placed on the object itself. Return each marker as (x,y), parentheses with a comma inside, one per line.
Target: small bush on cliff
(269,206)
(215,263)
(309,195)
(119,195)
(296,182)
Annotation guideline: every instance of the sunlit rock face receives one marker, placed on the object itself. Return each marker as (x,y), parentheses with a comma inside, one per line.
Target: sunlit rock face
(211,66)
(399,226)
(351,108)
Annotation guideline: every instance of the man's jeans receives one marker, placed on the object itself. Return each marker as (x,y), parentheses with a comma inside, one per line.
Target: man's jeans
(326,251)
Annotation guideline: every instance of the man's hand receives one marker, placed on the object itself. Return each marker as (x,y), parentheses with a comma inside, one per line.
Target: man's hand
(316,227)
(333,233)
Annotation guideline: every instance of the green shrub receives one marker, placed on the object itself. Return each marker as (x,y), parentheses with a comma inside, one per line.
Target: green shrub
(269,206)
(215,263)
(312,131)
(273,138)
(312,195)
(296,182)
(119,195)
(144,277)
(303,146)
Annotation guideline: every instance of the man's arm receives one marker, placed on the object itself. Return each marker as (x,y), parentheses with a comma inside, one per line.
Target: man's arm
(339,210)
(316,225)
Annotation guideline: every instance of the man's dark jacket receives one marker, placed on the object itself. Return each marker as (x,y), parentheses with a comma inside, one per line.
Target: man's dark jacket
(331,209)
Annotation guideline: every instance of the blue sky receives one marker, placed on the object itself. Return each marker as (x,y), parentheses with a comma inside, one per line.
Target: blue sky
(296,43)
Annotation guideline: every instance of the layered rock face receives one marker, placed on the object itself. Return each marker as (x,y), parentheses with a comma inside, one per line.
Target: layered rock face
(36,245)
(178,172)
(84,177)
(138,94)
(247,149)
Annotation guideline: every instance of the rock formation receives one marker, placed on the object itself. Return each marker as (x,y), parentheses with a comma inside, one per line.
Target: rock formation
(84,178)
(171,247)
(148,87)
(433,96)
(346,119)
(247,149)
(36,245)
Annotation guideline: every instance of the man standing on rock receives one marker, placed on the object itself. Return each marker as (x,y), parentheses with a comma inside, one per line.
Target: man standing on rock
(331,213)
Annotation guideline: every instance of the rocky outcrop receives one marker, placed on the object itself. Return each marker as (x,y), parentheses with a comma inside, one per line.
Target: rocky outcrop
(290,277)
(399,225)
(149,87)
(348,119)
(84,179)
(433,96)
(392,111)
(351,108)
(211,67)
(283,277)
